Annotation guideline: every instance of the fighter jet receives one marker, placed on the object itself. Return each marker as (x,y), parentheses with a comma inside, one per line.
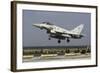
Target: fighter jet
(60,33)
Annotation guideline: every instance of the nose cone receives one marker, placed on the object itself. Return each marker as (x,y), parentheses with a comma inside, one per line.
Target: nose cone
(36,25)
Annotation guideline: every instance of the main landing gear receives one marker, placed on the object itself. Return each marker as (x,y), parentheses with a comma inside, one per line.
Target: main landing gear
(59,41)
(68,40)
(49,38)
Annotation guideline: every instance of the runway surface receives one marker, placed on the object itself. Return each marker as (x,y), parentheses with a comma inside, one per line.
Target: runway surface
(52,58)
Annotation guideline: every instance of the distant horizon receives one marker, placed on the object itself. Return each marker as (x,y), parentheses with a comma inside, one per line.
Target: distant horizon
(54,46)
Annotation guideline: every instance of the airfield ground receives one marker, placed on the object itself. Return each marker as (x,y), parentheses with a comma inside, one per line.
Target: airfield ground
(37,54)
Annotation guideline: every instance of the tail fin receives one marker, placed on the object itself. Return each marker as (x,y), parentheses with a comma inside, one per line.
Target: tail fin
(78,29)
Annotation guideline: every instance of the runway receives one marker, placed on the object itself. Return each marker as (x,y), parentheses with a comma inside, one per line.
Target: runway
(52,58)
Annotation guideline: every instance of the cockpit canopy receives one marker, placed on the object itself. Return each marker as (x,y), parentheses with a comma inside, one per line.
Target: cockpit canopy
(48,23)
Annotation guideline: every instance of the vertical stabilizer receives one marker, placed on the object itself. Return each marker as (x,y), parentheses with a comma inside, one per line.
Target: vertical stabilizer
(78,29)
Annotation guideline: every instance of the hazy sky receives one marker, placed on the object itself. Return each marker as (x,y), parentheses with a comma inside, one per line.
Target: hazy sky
(33,36)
